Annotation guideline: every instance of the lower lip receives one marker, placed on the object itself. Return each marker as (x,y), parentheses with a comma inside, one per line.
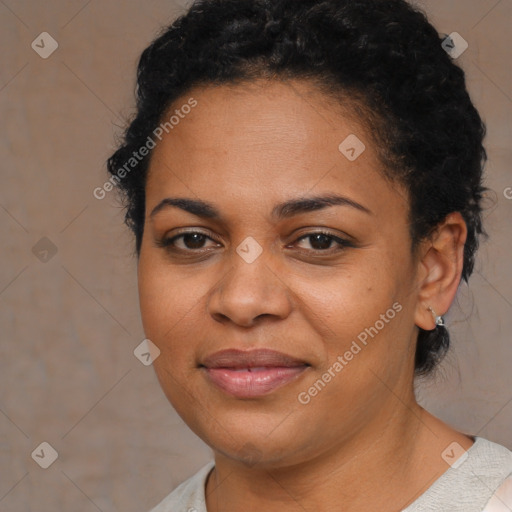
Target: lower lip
(255,383)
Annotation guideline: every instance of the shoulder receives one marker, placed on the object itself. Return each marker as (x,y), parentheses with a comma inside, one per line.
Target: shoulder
(188,496)
(499,458)
(501,500)
(476,480)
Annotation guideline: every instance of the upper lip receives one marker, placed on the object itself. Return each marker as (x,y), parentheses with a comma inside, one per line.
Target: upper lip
(235,358)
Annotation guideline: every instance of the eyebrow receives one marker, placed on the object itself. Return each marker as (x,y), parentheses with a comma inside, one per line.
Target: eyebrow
(280,211)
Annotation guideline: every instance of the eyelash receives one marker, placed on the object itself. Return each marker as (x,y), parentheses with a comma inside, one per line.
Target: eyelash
(168,243)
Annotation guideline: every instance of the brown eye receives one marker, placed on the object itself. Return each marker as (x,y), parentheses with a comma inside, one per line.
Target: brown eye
(320,241)
(193,240)
(188,241)
(323,242)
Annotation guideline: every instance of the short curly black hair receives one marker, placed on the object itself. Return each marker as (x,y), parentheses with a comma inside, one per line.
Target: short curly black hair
(383,55)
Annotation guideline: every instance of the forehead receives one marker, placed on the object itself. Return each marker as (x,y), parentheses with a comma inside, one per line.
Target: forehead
(263,111)
(281,137)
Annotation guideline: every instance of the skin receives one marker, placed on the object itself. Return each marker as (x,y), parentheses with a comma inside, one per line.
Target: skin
(363,441)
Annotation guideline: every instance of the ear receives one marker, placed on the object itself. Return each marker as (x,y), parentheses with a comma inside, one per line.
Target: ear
(440,263)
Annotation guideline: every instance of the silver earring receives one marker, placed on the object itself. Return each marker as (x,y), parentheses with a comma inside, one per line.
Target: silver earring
(438,319)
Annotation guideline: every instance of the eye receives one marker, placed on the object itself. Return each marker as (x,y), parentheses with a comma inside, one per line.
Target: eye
(323,241)
(197,241)
(188,241)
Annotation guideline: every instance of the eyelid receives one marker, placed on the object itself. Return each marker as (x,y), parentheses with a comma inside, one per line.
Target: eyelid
(191,230)
(306,231)
(166,242)
(341,242)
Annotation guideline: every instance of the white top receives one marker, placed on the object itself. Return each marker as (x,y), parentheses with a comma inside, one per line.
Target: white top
(479,481)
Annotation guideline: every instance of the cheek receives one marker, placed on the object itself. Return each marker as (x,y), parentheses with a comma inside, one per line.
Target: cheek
(166,297)
(174,317)
(155,302)
(166,303)
(349,297)
(360,312)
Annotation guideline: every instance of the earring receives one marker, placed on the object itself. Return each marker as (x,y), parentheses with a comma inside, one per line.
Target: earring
(438,319)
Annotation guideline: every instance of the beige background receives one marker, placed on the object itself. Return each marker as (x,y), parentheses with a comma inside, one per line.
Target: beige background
(69,325)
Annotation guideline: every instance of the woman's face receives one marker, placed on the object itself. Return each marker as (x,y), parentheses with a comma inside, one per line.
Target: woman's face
(332,285)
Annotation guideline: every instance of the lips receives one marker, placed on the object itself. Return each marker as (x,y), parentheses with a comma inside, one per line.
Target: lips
(251,374)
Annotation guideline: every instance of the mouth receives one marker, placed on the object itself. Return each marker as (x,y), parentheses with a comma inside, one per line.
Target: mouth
(251,374)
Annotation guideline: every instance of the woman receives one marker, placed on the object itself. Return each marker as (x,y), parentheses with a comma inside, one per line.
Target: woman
(304,182)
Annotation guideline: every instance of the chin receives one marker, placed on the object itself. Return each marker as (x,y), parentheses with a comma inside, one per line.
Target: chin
(251,441)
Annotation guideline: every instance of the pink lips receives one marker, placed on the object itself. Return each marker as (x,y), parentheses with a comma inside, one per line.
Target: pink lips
(250,374)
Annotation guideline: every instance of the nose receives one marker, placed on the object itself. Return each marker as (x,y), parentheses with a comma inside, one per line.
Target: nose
(249,292)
